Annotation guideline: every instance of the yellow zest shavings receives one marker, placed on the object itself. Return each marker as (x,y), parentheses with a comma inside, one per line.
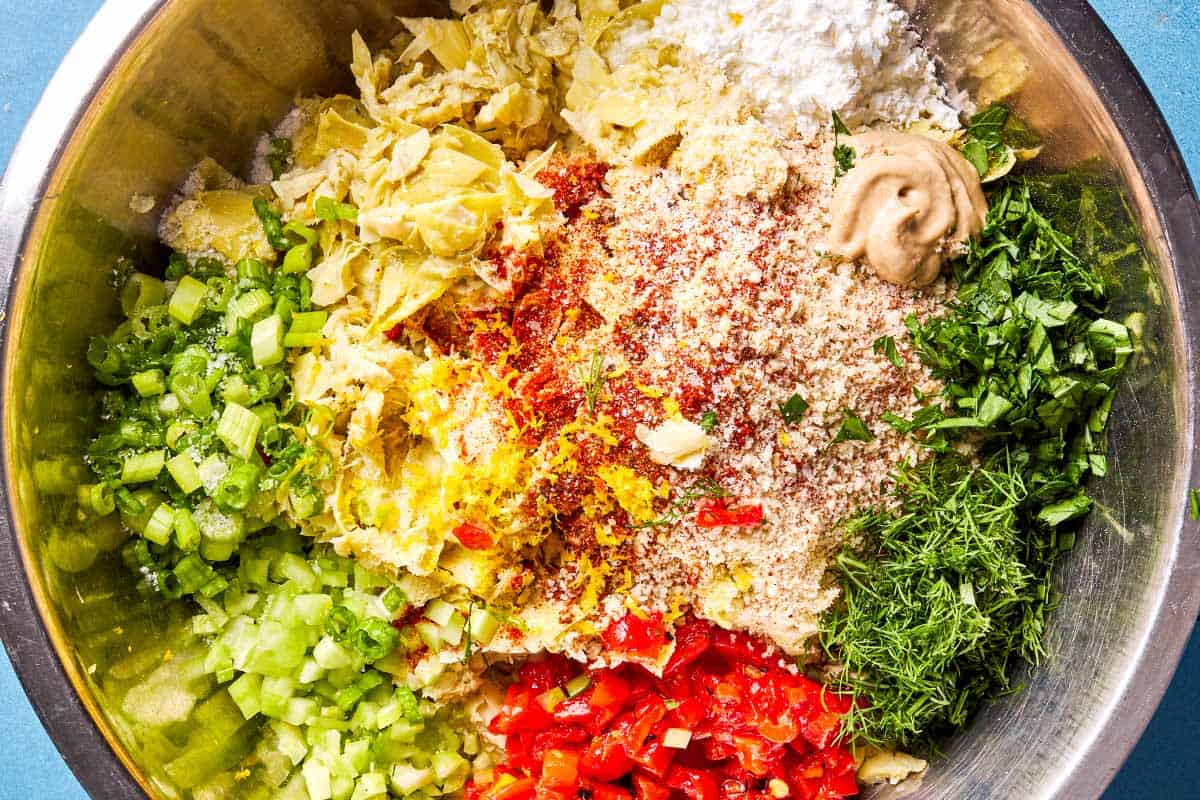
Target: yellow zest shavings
(652,392)
(742,578)
(634,493)
(592,578)
(784,439)
(677,608)
(671,408)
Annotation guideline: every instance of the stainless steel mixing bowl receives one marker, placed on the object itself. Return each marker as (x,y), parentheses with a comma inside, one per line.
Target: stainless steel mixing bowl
(154,85)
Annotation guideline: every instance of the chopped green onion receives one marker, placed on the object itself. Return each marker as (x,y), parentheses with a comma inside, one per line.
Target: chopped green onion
(187,534)
(298,259)
(98,497)
(238,429)
(142,467)
(330,210)
(184,471)
(192,391)
(252,271)
(374,638)
(189,300)
(149,383)
(305,330)
(250,306)
(272,225)
(160,525)
(266,341)
(141,291)
(237,488)
(393,600)
(299,230)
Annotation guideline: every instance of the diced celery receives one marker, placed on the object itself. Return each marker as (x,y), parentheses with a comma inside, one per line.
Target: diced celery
(275,694)
(551,698)
(246,691)
(328,654)
(290,741)
(358,755)
(428,670)
(212,471)
(300,710)
(184,471)
(578,685)
(483,625)
(438,611)
(430,634)
(278,652)
(312,608)
(452,632)
(406,779)
(370,786)
(317,781)
(445,764)
(298,259)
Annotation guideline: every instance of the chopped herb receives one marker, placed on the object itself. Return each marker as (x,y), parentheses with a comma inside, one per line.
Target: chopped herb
(943,591)
(793,409)
(843,155)
(684,502)
(272,224)
(593,378)
(853,429)
(1194,504)
(708,421)
(279,157)
(886,346)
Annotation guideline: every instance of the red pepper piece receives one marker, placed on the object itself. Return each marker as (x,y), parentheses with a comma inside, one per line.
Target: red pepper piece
(560,769)
(646,787)
(635,636)
(606,791)
(692,639)
(655,759)
(473,537)
(519,789)
(605,758)
(694,783)
(394,333)
(720,512)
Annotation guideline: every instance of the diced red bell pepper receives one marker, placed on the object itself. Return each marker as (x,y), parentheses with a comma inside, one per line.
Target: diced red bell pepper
(547,673)
(644,638)
(655,758)
(741,648)
(394,333)
(841,785)
(521,712)
(646,787)
(560,769)
(518,789)
(609,690)
(822,728)
(606,791)
(694,783)
(720,512)
(691,640)
(473,537)
(605,758)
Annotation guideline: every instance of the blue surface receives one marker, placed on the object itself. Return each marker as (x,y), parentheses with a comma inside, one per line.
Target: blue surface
(1162,37)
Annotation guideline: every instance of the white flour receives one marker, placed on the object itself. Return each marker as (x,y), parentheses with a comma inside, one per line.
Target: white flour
(801,60)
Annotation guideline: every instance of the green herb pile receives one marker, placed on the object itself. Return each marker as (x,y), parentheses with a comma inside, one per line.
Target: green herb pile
(944,592)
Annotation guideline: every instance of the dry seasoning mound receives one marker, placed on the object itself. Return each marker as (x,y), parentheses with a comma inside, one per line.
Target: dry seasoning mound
(724,309)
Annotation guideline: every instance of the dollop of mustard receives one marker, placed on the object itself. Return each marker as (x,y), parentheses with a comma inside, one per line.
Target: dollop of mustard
(907,205)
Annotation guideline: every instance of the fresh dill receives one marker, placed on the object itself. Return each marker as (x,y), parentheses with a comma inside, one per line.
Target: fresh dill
(685,501)
(593,378)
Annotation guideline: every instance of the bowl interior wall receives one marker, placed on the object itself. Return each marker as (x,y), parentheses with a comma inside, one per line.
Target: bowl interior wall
(208,76)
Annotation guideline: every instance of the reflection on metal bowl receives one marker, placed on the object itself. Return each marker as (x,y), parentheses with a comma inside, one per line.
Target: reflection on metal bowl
(154,85)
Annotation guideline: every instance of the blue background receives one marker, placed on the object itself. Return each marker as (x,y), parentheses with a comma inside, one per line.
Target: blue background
(1162,37)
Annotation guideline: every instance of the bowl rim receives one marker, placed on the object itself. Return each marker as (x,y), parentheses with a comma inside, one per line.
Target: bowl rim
(39,662)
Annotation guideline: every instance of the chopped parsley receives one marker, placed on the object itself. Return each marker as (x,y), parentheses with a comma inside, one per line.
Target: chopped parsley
(843,154)
(886,346)
(793,409)
(708,421)
(853,429)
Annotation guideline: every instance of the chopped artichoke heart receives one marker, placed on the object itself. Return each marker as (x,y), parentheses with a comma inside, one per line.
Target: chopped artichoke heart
(221,221)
